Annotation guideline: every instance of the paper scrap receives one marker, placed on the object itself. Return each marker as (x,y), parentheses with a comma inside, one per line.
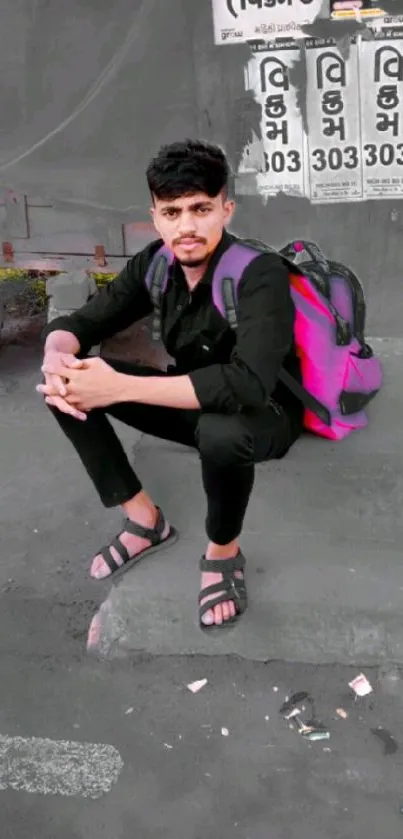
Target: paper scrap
(196,686)
(225,732)
(294,713)
(342,713)
(129,711)
(302,727)
(360,685)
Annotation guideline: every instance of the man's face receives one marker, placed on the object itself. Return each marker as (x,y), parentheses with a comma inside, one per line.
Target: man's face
(192,226)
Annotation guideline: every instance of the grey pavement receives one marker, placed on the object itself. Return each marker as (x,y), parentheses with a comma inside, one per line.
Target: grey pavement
(323,534)
(323,537)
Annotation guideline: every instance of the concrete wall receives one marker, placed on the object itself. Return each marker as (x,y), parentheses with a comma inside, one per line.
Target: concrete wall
(88,102)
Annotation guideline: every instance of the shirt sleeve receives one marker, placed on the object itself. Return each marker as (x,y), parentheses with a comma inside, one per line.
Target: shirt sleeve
(118,304)
(265,336)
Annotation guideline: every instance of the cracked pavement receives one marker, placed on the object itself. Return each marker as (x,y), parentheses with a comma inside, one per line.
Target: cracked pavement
(326,590)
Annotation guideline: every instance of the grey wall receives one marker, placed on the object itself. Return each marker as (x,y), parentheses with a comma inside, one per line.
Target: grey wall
(90,93)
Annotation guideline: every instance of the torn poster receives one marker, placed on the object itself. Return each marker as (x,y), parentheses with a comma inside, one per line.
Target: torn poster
(381,105)
(353,148)
(334,148)
(238,21)
(279,158)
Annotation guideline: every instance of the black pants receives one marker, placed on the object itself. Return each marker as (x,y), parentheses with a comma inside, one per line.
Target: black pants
(228,445)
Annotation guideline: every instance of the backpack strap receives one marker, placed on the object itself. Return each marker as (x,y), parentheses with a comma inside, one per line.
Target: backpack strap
(319,270)
(309,402)
(156,291)
(156,280)
(229,298)
(316,265)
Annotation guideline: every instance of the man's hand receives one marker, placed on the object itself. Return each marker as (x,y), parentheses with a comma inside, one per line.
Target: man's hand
(57,384)
(91,384)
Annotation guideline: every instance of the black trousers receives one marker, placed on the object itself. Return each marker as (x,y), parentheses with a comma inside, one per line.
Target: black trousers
(228,446)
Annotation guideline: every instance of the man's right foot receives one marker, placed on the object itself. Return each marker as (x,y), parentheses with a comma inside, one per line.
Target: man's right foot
(132,542)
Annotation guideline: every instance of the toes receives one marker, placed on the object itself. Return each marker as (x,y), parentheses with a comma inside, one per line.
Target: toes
(208,618)
(218,615)
(226,611)
(99,569)
(221,613)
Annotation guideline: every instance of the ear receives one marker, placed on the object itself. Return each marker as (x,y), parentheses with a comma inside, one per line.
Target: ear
(153,216)
(229,210)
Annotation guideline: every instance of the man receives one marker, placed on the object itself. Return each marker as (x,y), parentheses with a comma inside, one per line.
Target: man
(223,397)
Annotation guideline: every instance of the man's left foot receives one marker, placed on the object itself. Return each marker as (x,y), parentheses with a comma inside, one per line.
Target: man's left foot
(227,584)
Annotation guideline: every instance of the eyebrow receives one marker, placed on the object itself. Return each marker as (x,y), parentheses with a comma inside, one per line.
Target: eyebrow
(196,206)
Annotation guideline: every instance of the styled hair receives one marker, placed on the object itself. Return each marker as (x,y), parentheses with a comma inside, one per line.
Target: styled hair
(187,167)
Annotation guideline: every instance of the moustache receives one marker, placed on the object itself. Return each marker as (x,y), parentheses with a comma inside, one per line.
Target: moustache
(188,240)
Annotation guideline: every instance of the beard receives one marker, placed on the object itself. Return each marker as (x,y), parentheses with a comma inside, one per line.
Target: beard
(193,263)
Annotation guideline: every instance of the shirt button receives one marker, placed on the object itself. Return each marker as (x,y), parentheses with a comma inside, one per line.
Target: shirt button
(179,307)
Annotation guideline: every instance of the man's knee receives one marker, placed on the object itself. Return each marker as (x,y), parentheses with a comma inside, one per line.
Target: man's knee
(224,440)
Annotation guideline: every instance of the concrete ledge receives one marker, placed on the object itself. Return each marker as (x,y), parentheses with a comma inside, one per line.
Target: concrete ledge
(323,537)
(68,292)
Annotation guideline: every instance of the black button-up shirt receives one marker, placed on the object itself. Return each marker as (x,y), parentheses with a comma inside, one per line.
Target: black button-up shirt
(229,369)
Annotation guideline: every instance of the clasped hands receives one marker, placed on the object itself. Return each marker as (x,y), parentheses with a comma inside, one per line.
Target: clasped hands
(76,386)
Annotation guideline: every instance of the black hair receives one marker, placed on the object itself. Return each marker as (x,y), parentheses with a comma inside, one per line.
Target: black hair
(187,167)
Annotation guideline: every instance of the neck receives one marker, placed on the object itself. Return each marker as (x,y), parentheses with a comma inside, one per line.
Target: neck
(194,275)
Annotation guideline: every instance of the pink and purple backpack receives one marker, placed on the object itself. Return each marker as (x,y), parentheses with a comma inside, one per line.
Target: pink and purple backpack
(340,374)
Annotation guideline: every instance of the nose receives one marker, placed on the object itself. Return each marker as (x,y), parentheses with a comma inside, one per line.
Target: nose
(187,226)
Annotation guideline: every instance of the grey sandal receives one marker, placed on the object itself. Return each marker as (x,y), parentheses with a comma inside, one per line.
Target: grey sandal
(230,588)
(153,535)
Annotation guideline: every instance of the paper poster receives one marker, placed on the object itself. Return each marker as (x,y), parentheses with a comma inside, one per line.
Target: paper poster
(334,141)
(353,148)
(237,21)
(381,106)
(279,159)
(366,10)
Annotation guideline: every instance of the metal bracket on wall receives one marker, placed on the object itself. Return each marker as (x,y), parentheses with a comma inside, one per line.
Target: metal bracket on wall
(16,207)
(8,252)
(100,257)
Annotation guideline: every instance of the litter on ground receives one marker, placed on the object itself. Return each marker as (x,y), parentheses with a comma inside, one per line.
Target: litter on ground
(360,685)
(196,686)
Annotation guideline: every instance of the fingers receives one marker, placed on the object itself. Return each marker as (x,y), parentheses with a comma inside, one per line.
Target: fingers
(59,364)
(54,386)
(74,363)
(52,392)
(65,408)
(55,368)
(56,383)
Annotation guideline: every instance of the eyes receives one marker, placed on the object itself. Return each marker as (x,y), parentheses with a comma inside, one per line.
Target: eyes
(200,211)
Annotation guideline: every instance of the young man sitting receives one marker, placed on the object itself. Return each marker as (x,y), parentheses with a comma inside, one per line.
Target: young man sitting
(223,397)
